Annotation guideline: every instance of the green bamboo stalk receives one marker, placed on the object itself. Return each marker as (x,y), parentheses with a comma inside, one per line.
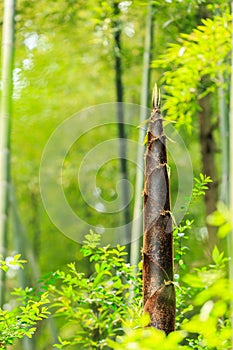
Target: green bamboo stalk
(158,287)
(5,127)
(224,131)
(120,117)
(208,147)
(230,236)
(231,139)
(146,72)
(22,247)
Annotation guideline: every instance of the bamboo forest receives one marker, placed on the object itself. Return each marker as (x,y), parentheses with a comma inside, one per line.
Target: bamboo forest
(116,174)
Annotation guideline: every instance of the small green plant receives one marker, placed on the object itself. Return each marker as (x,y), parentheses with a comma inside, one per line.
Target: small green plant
(21,320)
(181,235)
(13,261)
(200,186)
(94,307)
(211,305)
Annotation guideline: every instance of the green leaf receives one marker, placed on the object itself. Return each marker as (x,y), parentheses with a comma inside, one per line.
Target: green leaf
(224,230)
(194,281)
(217,257)
(216,219)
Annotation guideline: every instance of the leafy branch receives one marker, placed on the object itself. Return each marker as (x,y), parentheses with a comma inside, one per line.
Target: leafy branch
(14,261)
(188,62)
(200,186)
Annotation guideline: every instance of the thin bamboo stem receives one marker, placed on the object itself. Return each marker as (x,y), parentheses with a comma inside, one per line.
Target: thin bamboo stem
(146,72)
(224,131)
(230,236)
(5,128)
(120,117)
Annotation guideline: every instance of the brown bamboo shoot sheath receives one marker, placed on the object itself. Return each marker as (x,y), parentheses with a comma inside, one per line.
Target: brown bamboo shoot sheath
(158,288)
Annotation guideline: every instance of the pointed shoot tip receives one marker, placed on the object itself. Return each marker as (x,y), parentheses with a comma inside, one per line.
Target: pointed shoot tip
(156,97)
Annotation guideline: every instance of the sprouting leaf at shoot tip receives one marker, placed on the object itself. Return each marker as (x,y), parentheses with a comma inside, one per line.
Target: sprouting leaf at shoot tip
(156,97)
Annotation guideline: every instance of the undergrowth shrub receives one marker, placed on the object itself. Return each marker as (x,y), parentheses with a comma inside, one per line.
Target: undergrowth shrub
(20,321)
(104,309)
(94,306)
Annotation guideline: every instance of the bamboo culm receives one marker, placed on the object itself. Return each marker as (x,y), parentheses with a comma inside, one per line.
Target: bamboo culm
(146,73)
(5,128)
(230,236)
(120,119)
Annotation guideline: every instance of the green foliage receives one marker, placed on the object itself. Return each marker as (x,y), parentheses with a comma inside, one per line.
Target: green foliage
(93,307)
(21,321)
(14,261)
(53,84)
(204,305)
(181,232)
(222,219)
(100,314)
(200,186)
(205,322)
(181,235)
(191,67)
(103,310)
(205,295)
(149,339)
(212,302)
